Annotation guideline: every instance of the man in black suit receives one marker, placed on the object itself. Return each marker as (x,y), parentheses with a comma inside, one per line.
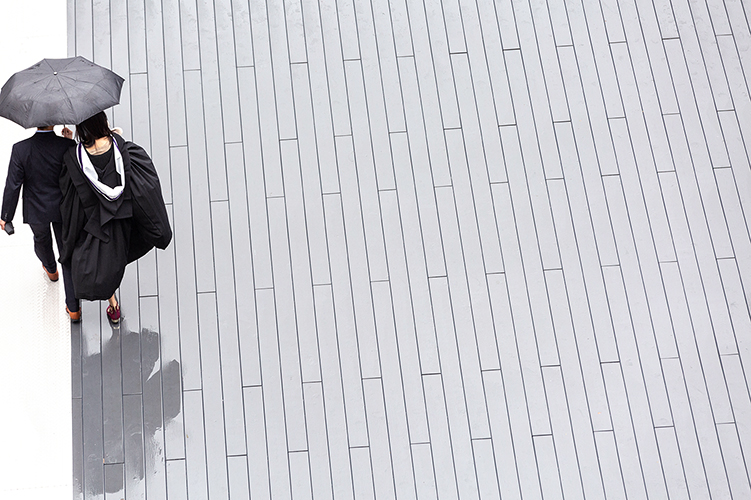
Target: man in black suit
(35,164)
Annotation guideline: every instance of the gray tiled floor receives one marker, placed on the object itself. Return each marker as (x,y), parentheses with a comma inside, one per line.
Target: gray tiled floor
(427,250)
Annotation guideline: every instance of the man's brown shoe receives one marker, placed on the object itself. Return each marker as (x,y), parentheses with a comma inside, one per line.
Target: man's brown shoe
(75,317)
(52,276)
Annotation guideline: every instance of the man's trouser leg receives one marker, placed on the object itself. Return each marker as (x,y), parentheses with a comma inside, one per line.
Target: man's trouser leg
(43,246)
(70,296)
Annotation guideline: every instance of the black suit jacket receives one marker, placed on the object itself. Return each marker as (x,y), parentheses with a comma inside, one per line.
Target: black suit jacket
(35,164)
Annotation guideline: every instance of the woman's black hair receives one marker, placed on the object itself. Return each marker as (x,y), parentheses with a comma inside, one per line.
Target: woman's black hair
(93,128)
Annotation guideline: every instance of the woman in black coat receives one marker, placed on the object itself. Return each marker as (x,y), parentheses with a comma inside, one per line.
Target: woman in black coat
(112,209)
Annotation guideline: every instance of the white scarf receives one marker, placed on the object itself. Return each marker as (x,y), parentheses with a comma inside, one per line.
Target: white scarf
(88,169)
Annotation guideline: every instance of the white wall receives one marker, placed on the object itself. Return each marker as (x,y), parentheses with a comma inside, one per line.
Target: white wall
(35,423)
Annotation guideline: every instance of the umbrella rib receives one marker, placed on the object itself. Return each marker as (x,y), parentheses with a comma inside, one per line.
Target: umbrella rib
(99,85)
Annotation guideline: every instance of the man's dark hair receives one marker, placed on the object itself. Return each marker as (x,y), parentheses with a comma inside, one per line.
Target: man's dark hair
(93,128)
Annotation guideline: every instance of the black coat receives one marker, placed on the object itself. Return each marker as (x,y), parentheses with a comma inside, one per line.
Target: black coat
(35,165)
(100,237)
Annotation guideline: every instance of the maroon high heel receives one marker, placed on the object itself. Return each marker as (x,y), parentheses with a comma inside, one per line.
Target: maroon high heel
(113,313)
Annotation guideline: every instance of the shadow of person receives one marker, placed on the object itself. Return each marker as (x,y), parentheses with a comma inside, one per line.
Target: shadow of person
(140,395)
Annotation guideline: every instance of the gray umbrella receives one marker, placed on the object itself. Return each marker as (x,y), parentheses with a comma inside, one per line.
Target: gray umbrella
(59,91)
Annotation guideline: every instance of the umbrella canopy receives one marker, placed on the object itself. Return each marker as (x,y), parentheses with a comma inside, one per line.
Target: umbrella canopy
(59,91)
